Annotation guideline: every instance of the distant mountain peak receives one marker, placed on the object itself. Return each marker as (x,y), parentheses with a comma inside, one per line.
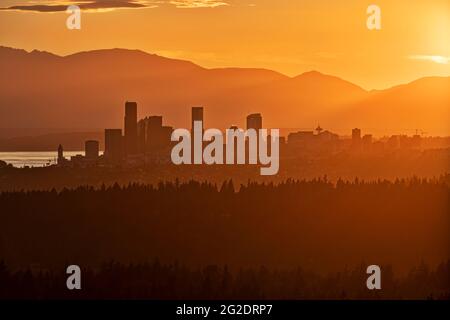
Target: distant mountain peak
(87,89)
(312,73)
(314,76)
(133,56)
(39,53)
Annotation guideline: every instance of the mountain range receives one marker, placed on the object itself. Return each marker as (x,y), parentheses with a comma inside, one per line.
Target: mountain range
(88,90)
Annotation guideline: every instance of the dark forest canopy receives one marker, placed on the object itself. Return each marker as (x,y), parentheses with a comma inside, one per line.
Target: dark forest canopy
(158,281)
(316,224)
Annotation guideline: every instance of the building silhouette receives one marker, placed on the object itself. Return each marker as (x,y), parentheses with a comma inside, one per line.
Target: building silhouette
(318,141)
(197,115)
(61,160)
(91,149)
(148,141)
(155,135)
(142,135)
(131,134)
(152,135)
(254,121)
(113,145)
(356,136)
(301,137)
(356,139)
(366,142)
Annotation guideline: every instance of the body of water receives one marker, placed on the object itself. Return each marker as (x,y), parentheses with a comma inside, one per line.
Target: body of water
(34,158)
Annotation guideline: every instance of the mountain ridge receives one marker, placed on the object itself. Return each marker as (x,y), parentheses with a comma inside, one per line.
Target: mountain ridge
(88,89)
(303,74)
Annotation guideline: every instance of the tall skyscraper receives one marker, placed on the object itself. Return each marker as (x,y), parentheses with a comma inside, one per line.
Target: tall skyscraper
(197,115)
(155,123)
(154,132)
(61,160)
(131,136)
(366,142)
(367,139)
(113,145)
(356,139)
(142,135)
(91,149)
(152,135)
(254,121)
(356,135)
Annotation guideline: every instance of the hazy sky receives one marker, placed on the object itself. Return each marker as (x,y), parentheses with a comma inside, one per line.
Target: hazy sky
(290,36)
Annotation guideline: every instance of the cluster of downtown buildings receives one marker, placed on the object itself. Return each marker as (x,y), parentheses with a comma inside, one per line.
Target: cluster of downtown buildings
(142,142)
(148,141)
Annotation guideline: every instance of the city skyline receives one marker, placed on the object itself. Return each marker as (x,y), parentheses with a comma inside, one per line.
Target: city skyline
(147,141)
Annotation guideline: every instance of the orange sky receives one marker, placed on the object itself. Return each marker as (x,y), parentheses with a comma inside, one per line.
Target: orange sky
(290,36)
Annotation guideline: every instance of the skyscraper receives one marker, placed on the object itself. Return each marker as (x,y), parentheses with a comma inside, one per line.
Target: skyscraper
(131,137)
(155,139)
(367,139)
(142,135)
(356,135)
(153,136)
(356,139)
(61,160)
(366,142)
(91,149)
(197,115)
(254,121)
(113,145)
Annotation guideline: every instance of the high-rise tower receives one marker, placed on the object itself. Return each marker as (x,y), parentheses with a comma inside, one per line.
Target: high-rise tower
(131,137)
(61,160)
(197,115)
(254,121)
(91,149)
(113,145)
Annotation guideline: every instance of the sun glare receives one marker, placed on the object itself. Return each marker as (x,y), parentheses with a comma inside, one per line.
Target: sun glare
(440,59)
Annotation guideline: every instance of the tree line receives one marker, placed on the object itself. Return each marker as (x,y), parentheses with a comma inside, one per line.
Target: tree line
(157,281)
(315,224)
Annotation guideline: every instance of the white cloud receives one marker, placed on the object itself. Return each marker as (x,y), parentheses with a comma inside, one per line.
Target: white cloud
(431,58)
